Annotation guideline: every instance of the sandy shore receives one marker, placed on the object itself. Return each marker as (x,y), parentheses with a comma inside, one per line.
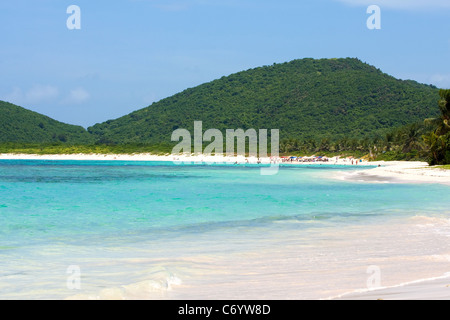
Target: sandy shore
(171,158)
(90,157)
(177,159)
(401,172)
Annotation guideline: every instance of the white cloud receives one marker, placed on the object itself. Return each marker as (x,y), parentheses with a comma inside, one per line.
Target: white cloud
(44,94)
(76,96)
(36,94)
(41,93)
(401,4)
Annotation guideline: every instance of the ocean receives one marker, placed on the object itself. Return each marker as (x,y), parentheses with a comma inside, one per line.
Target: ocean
(157,230)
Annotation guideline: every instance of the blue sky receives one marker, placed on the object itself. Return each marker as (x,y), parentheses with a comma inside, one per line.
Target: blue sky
(130,53)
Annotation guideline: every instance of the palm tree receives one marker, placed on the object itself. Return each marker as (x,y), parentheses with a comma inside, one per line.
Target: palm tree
(444,106)
(325,144)
(412,138)
(439,148)
(389,140)
(442,123)
(439,140)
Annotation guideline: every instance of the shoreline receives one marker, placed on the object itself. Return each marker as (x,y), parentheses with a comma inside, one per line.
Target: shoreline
(167,157)
(187,158)
(181,159)
(400,172)
(437,288)
(385,171)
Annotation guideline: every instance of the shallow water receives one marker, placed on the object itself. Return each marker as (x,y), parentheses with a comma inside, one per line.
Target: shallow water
(152,230)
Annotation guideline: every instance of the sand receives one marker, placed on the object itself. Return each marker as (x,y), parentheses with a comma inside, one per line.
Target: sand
(402,172)
(171,158)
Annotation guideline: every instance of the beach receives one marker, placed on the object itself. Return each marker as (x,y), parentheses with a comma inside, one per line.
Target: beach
(175,158)
(401,172)
(405,172)
(320,252)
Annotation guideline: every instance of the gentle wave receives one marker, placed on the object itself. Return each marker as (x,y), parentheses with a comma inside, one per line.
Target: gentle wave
(157,287)
(361,292)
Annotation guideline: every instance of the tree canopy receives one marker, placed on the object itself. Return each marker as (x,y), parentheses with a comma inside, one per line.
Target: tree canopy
(305,99)
(21,125)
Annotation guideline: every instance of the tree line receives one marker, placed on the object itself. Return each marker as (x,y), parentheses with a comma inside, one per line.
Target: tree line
(428,140)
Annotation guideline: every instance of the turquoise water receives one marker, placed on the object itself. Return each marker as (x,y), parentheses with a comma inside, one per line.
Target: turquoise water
(128,222)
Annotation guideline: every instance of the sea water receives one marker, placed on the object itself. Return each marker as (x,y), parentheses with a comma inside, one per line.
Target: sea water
(157,230)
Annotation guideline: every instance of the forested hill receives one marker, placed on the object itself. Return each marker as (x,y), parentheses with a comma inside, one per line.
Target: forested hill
(305,99)
(21,125)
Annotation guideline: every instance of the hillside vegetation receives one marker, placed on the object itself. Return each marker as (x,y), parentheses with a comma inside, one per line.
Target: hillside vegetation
(305,99)
(327,107)
(24,126)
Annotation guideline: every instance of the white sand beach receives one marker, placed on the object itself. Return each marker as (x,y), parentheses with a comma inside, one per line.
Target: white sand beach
(402,172)
(178,158)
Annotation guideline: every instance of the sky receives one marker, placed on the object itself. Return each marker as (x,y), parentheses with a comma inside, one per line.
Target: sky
(128,54)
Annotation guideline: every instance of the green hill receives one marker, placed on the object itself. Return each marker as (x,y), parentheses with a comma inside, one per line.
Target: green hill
(24,126)
(305,99)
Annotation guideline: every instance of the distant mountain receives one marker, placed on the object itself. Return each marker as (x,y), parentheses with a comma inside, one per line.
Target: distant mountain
(21,125)
(305,99)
